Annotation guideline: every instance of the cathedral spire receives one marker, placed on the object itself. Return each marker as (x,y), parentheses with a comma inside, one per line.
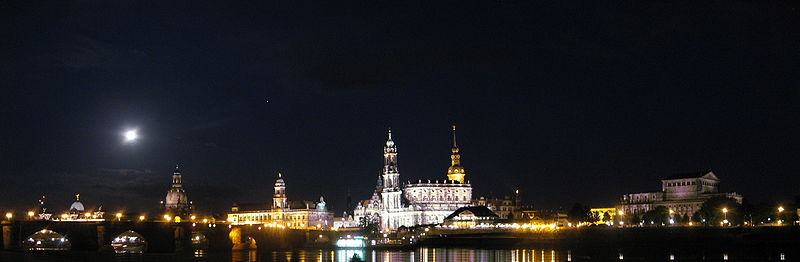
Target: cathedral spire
(389,142)
(455,172)
(455,145)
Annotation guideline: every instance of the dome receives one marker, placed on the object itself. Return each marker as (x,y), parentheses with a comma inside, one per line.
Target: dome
(175,198)
(129,242)
(46,239)
(76,206)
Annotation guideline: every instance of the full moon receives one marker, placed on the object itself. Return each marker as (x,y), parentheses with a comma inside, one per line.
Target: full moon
(131,136)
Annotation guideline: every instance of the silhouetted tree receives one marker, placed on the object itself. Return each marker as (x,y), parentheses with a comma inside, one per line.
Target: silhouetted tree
(658,216)
(606,217)
(579,213)
(710,212)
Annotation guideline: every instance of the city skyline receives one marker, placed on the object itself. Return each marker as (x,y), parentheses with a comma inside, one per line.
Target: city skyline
(566,102)
(299,193)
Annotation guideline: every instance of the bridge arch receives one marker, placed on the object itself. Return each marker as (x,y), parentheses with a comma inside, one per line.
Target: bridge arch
(46,240)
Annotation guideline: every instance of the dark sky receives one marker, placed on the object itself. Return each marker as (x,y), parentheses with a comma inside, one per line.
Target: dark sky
(568,101)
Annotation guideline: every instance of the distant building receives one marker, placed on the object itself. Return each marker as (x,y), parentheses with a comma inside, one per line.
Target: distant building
(177,203)
(467,217)
(283,212)
(76,212)
(546,217)
(415,203)
(507,207)
(682,193)
(347,222)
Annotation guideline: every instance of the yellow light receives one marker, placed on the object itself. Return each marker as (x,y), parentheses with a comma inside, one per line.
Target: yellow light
(724,210)
(671,211)
(167,218)
(9,215)
(780,209)
(205,220)
(193,217)
(87,214)
(621,213)
(64,216)
(30,213)
(141,217)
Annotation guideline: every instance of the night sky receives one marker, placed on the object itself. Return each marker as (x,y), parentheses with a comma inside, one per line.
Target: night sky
(569,101)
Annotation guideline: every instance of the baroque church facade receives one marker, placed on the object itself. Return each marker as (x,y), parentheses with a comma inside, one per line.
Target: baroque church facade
(176,202)
(393,205)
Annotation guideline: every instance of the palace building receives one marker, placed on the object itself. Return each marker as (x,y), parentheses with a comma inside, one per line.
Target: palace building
(282,212)
(393,205)
(684,194)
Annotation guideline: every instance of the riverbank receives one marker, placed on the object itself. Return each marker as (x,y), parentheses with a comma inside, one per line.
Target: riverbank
(601,238)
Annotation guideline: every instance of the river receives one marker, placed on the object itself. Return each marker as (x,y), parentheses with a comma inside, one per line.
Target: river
(425,254)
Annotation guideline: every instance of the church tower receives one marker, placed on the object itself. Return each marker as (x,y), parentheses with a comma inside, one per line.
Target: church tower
(391,192)
(391,175)
(455,171)
(177,202)
(279,198)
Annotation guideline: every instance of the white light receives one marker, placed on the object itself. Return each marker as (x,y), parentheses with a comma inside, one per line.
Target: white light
(131,136)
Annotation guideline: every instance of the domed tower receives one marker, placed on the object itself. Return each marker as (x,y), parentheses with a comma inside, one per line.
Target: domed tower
(177,202)
(455,172)
(279,198)
(77,207)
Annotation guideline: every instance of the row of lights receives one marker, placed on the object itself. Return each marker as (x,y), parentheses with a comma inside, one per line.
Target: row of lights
(167,217)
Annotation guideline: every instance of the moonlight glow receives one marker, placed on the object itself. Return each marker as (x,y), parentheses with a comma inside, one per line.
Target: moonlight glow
(131,136)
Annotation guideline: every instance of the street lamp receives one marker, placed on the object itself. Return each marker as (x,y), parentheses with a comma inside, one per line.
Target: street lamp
(725,212)
(30,215)
(780,210)
(119,216)
(141,218)
(9,215)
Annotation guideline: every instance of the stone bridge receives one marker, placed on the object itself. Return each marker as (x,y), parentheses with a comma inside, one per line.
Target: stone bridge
(163,237)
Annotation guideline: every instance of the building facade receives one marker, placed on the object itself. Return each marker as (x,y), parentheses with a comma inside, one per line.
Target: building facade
(508,207)
(393,205)
(282,212)
(684,194)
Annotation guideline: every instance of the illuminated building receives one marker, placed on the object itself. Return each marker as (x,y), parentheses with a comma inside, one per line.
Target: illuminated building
(77,212)
(682,193)
(283,213)
(42,213)
(604,215)
(177,202)
(415,203)
(507,207)
(466,217)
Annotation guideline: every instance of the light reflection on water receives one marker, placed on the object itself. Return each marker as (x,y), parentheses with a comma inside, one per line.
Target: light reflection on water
(422,255)
(517,255)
